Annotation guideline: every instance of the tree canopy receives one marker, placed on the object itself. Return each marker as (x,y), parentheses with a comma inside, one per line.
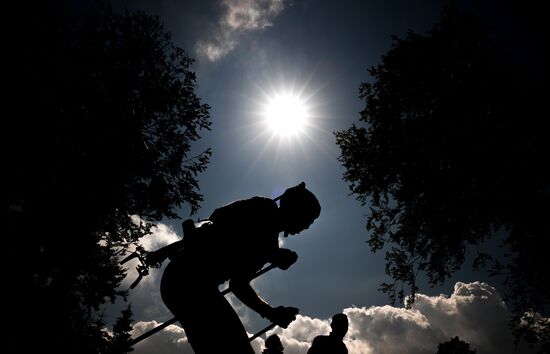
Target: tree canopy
(97,149)
(450,152)
(454,346)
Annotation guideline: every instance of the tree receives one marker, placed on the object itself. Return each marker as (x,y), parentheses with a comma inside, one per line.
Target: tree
(121,330)
(454,346)
(451,153)
(97,150)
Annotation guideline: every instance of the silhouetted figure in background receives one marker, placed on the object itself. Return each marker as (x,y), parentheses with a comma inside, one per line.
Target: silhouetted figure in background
(273,345)
(239,239)
(334,342)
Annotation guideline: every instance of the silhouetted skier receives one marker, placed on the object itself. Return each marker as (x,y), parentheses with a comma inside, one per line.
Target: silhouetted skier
(334,342)
(239,240)
(273,345)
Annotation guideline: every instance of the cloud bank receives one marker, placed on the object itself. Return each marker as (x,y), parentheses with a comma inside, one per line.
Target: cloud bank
(239,17)
(474,312)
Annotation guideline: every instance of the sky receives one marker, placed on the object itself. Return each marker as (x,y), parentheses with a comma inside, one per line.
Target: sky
(311,55)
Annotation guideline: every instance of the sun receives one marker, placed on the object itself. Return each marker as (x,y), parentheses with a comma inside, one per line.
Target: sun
(285,114)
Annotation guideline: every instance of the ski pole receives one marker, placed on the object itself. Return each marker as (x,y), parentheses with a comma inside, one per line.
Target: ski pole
(174,320)
(160,327)
(269,327)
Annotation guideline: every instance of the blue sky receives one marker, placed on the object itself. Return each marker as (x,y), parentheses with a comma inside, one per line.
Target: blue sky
(248,52)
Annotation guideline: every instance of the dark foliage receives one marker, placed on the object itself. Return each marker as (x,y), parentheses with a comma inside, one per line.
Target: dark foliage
(121,330)
(453,148)
(455,346)
(103,114)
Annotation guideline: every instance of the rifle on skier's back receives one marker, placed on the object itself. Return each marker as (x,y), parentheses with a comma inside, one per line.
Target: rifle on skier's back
(155,258)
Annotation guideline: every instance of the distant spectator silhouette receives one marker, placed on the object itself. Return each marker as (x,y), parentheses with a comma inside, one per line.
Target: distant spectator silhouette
(239,239)
(334,342)
(273,345)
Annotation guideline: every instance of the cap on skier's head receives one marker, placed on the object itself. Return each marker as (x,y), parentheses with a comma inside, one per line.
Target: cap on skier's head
(300,208)
(302,200)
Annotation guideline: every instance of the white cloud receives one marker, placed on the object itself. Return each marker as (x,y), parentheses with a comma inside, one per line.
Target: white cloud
(161,235)
(240,16)
(389,330)
(171,340)
(251,14)
(474,312)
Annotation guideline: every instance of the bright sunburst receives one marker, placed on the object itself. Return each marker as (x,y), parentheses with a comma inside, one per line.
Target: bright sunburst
(286,114)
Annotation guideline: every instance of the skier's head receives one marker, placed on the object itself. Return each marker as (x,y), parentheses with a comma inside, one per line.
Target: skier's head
(299,208)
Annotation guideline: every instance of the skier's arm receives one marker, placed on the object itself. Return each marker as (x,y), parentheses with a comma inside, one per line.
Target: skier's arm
(283,258)
(282,316)
(241,288)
